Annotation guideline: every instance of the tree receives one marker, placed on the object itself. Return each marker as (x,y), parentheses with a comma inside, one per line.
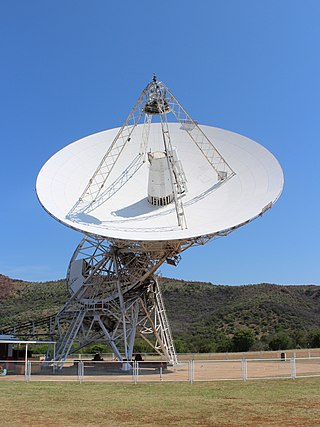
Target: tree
(223,343)
(242,340)
(95,348)
(206,346)
(141,346)
(181,346)
(314,339)
(299,339)
(280,341)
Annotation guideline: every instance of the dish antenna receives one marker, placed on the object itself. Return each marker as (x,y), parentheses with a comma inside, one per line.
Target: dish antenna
(141,195)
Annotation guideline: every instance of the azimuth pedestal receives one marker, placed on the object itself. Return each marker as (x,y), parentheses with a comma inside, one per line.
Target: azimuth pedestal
(114,295)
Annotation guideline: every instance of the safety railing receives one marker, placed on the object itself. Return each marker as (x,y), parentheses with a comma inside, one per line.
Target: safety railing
(159,371)
(297,353)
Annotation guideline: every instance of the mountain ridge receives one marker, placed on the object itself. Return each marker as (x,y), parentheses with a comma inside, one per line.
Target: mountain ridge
(203,316)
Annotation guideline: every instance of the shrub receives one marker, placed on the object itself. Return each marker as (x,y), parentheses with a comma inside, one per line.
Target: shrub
(280,341)
(242,340)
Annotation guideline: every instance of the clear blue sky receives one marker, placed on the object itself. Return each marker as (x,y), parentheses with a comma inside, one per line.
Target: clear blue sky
(72,68)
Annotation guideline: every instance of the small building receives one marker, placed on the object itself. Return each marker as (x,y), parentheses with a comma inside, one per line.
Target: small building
(14,353)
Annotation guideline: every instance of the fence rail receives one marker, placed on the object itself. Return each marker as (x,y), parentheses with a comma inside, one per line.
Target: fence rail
(244,369)
(297,353)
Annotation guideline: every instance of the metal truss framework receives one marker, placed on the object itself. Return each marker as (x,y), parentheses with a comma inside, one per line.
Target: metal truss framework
(156,100)
(114,296)
(118,296)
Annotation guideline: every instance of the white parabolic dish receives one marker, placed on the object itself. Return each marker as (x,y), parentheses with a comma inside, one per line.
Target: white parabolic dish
(210,206)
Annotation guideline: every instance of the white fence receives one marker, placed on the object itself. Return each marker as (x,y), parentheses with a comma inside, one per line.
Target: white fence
(155,371)
(297,353)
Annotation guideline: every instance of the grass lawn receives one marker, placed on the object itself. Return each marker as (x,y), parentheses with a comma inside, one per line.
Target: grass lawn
(284,403)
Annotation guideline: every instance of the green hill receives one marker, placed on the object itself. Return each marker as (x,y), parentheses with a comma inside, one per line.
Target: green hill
(24,301)
(203,316)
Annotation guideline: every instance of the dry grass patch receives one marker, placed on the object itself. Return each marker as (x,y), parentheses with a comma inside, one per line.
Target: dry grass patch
(262,403)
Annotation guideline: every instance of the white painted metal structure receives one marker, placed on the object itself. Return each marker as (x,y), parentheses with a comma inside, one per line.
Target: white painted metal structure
(211,206)
(142,194)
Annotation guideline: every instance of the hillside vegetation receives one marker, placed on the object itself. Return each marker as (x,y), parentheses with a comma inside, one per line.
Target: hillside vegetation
(24,301)
(203,317)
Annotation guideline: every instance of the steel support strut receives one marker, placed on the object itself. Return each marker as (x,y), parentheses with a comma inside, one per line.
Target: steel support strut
(114,295)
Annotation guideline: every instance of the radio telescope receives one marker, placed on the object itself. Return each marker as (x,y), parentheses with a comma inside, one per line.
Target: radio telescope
(142,194)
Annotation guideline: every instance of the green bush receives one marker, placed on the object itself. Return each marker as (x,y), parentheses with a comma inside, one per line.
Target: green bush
(280,341)
(242,340)
(314,339)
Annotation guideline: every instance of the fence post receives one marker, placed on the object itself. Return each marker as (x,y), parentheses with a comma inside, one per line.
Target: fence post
(80,371)
(293,368)
(244,368)
(135,371)
(191,371)
(27,372)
